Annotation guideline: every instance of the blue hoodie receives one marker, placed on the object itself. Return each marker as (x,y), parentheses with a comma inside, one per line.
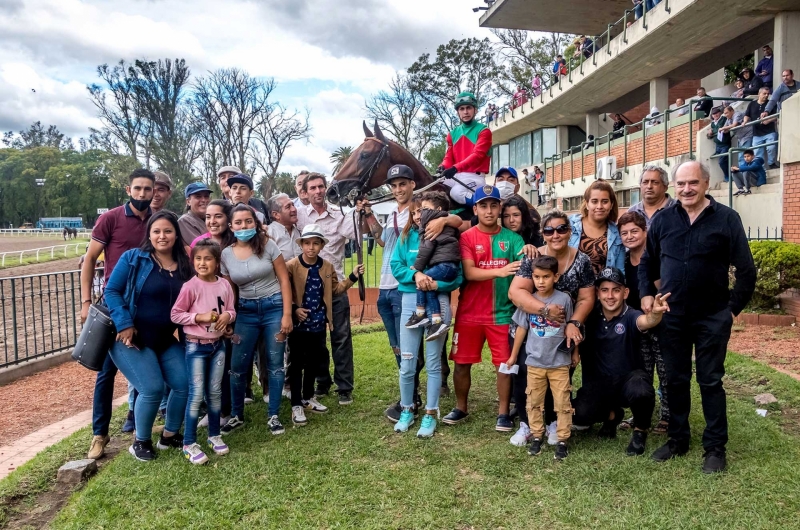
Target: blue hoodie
(756,166)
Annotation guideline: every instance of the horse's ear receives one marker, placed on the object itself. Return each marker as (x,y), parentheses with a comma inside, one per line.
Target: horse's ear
(379,134)
(367,132)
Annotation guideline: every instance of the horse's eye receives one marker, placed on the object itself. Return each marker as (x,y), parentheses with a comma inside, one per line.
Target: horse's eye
(364,156)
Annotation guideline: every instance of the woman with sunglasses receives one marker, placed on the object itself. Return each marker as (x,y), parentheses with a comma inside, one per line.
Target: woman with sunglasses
(576,278)
(594,229)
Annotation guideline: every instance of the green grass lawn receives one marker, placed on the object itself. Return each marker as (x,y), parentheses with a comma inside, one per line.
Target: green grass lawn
(372,265)
(347,469)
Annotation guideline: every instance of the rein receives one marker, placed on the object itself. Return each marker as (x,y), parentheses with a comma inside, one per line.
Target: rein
(362,291)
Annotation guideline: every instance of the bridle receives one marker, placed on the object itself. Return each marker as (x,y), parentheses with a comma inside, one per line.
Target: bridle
(366,176)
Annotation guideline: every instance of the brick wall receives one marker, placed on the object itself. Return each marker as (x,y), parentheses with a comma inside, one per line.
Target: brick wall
(791,202)
(677,144)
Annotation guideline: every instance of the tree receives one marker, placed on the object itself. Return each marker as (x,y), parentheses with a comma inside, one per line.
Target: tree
(525,55)
(435,155)
(275,131)
(37,136)
(400,112)
(283,183)
(467,64)
(339,157)
(122,119)
(226,106)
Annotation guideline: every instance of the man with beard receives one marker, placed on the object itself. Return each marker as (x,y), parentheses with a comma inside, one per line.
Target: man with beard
(116,231)
(690,249)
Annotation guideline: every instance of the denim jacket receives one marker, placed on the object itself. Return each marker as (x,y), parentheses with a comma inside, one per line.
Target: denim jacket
(125,284)
(616,252)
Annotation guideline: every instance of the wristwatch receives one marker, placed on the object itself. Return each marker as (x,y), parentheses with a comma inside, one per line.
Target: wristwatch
(578,325)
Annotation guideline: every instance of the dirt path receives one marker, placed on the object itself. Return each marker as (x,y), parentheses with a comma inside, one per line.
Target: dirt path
(45,398)
(778,347)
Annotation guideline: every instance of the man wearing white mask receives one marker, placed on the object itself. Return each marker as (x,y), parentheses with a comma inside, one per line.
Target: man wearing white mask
(507,182)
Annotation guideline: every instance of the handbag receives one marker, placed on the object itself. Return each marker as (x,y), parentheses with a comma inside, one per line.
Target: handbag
(97,336)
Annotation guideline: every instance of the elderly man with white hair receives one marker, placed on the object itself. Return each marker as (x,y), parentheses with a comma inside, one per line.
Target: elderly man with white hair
(283,230)
(690,250)
(653,185)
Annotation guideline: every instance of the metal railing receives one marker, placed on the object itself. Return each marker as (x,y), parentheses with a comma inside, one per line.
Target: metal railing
(40,232)
(372,262)
(613,30)
(777,234)
(640,126)
(41,315)
(38,252)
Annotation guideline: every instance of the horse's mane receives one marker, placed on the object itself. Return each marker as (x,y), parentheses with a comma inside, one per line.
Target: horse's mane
(416,166)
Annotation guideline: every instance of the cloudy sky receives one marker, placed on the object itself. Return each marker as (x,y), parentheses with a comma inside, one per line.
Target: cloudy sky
(327,55)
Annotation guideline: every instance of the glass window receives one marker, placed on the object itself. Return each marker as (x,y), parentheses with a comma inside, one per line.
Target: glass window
(549,142)
(502,155)
(635,195)
(537,147)
(624,198)
(512,152)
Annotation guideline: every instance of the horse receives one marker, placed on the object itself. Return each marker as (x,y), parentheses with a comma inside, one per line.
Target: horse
(367,167)
(69,233)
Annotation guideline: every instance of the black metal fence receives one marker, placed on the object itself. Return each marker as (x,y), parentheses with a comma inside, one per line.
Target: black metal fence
(765,234)
(41,315)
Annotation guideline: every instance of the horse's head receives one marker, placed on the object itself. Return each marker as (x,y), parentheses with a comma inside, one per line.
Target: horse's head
(364,171)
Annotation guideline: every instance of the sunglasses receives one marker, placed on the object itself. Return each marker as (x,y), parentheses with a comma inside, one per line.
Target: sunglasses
(561,229)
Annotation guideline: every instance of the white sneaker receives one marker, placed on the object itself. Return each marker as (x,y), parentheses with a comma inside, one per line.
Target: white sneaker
(522,436)
(298,416)
(315,406)
(203,421)
(552,433)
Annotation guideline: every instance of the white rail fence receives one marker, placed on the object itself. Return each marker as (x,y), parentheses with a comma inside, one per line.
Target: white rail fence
(39,232)
(38,252)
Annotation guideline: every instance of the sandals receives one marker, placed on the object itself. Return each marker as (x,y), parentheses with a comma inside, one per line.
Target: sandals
(661,427)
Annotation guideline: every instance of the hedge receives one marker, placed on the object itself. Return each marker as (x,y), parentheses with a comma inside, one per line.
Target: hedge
(778,269)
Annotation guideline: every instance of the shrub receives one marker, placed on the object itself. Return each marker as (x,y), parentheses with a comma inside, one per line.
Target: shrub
(778,269)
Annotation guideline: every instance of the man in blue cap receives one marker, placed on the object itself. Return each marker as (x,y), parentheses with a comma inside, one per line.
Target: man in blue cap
(241,190)
(193,222)
(489,257)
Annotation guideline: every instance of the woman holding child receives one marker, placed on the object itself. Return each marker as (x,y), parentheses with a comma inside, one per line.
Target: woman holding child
(410,280)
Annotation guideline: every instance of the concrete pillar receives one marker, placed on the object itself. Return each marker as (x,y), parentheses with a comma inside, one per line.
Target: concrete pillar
(786,45)
(562,138)
(592,124)
(659,93)
(714,81)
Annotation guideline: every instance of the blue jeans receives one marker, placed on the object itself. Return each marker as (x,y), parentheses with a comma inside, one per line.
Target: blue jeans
(743,144)
(772,150)
(257,320)
(390,305)
(205,364)
(446,272)
(149,371)
(723,162)
(409,350)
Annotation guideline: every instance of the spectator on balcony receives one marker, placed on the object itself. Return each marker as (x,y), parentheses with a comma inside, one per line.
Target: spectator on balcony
(752,83)
(764,132)
(744,136)
(738,93)
(654,118)
(764,67)
(557,65)
(619,124)
(784,91)
(703,105)
(681,109)
(722,139)
(639,5)
(749,174)
(520,97)
(586,46)
(536,85)
(489,113)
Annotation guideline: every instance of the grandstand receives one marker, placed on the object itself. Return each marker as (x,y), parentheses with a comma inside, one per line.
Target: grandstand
(57,223)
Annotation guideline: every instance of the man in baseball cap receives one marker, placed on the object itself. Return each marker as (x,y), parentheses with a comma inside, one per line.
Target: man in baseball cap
(241,190)
(162,191)
(193,222)
(613,371)
(223,174)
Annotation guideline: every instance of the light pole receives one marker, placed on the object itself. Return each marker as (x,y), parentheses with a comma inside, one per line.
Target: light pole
(39,185)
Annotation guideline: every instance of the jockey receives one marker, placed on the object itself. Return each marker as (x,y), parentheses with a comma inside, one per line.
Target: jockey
(467,156)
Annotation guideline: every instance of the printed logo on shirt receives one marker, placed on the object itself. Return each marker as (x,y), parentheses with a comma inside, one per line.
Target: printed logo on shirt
(493,263)
(503,245)
(479,249)
(543,327)
(620,329)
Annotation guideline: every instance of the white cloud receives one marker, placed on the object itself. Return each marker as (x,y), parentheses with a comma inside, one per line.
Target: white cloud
(342,49)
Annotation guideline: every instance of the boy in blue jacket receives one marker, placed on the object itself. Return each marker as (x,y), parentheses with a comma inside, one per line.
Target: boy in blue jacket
(751,173)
